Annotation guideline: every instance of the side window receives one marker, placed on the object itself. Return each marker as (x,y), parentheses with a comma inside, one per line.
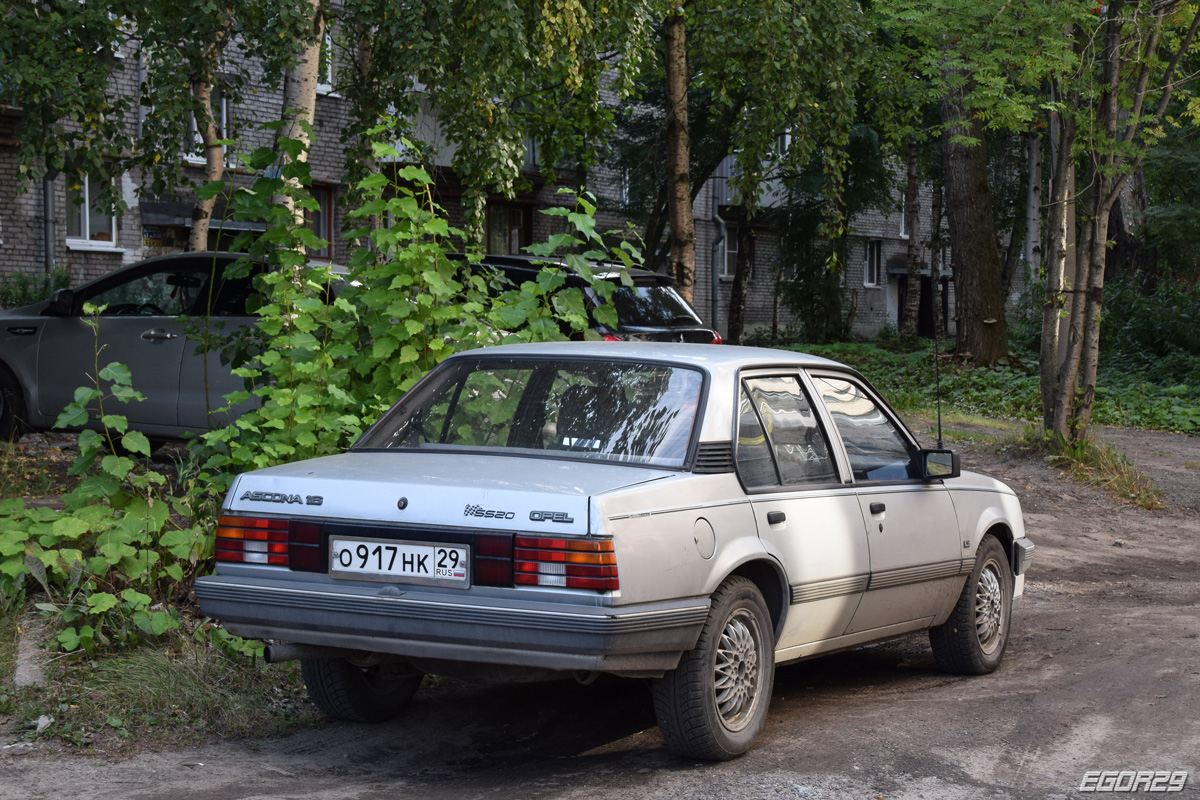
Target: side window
(168,293)
(875,446)
(754,461)
(795,437)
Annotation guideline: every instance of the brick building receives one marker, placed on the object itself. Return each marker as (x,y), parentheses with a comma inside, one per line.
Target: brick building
(88,242)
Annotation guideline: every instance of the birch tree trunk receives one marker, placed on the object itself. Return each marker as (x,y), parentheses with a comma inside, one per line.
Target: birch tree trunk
(912,208)
(1054,304)
(214,163)
(300,100)
(679,199)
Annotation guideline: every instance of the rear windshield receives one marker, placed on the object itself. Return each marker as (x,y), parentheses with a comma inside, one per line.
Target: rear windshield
(580,408)
(652,307)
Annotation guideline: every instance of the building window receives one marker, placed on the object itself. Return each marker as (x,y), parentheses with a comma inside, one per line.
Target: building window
(325,70)
(320,221)
(87,221)
(220,110)
(873,272)
(730,246)
(507,229)
(903,223)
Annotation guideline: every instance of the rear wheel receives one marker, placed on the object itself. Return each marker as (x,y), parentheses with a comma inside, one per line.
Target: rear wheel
(713,704)
(348,692)
(972,641)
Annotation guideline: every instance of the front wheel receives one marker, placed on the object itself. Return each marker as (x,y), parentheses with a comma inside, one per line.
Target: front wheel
(713,704)
(348,692)
(12,409)
(973,639)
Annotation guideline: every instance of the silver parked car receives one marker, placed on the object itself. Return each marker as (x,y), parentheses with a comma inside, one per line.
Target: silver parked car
(685,513)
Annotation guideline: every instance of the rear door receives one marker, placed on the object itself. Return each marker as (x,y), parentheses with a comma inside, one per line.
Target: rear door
(205,376)
(911,527)
(806,514)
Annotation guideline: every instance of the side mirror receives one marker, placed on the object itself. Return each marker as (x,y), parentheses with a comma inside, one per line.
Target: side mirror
(939,465)
(62,303)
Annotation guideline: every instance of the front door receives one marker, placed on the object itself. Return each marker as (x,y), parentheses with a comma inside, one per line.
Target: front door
(911,527)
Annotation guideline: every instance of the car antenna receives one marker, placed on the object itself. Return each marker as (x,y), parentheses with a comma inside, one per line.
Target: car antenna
(937,372)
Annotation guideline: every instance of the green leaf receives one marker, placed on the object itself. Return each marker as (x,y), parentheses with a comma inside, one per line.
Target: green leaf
(136,442)
(100,602)
(116,422)
(72,416)
(70,527)
(117,373)
(209,190)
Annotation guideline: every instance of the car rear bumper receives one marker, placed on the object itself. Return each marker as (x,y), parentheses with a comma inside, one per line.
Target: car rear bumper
(645,639)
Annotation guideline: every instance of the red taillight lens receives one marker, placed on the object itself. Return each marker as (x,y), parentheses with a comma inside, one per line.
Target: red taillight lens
(276,542)
(717,338)
(608,337)
(569,563)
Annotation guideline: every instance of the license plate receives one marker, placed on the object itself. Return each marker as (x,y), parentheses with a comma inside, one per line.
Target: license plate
(390,560)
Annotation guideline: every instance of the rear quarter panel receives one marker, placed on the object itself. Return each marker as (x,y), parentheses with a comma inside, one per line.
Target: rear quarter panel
(661,533)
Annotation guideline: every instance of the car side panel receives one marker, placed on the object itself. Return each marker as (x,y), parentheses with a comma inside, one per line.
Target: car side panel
(67,357)
(822,544)
(916,556)
(664,530)
(201,393)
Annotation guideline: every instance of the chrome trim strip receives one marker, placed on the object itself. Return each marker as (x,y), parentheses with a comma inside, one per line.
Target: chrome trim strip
(834,587)
(917,573)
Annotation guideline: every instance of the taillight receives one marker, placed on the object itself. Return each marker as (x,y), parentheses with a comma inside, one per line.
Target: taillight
(569,563)
(608,337)
(262,540)
(717,338)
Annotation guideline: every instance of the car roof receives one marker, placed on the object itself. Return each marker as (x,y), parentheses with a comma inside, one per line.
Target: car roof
(605,269)
(706,356)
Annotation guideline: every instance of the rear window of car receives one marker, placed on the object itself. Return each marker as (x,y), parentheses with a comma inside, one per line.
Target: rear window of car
(652,307)
(581,408)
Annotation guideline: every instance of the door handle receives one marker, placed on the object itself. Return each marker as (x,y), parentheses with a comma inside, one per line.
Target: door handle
(775,517)
(158,335)
(878,508)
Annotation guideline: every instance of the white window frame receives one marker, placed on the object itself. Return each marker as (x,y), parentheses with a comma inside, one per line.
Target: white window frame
(326,76)
(903,223)
(83,240)
(872,272)
(221,112)
(729,270)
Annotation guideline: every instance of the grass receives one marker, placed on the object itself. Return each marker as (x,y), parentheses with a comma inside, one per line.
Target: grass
(179,693)
(1097,463)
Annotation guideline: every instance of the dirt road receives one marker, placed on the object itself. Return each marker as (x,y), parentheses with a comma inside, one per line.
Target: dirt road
(1102,673)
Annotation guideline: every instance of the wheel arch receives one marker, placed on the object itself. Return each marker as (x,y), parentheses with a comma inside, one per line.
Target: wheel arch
(772,584)
(23,396)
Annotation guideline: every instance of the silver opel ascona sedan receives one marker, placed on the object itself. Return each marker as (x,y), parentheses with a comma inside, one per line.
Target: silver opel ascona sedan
(685,513)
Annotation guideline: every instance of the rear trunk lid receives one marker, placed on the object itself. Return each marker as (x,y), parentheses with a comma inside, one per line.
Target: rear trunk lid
(501,493)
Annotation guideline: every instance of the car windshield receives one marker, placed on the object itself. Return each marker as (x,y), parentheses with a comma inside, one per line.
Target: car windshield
(652,307)
(567,408)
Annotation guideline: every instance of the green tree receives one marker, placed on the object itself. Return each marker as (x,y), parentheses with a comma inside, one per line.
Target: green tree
(56,61)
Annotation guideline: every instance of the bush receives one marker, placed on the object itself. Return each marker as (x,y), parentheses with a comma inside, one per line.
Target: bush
(23,288)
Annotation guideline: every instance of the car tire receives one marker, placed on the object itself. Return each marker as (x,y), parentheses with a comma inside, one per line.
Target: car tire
(12,407)
(972,641)
(713,705)
(348,692)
